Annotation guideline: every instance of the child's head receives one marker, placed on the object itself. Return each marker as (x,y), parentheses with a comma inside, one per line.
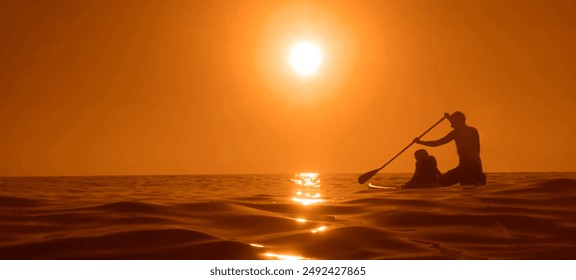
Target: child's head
(420,154)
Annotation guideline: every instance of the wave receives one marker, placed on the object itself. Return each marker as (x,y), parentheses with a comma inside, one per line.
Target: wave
(6,201)
(524,218)
(141,244)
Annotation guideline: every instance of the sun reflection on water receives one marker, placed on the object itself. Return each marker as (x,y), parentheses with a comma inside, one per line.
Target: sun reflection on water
(306,192)
(322,228)
(278,256)
(308,188)
(284,257)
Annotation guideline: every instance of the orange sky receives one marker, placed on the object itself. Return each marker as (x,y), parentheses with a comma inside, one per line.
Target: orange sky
(179,87)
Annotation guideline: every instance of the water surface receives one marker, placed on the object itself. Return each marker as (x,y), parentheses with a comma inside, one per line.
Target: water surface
(302,216)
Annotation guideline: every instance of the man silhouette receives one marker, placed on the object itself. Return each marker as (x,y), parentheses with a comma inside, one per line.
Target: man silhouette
(469,169)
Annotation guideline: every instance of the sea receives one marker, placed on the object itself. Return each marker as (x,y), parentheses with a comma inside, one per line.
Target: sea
(516,216)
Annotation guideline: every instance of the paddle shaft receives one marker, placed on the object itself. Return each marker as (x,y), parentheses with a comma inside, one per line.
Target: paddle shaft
(409,145)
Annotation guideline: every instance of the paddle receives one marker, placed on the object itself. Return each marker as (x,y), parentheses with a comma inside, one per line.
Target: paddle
(368,175)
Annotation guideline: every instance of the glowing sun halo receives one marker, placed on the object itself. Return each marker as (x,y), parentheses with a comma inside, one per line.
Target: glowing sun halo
(306,58)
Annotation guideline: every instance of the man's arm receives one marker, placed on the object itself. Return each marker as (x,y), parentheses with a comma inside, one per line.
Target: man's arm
(446,139)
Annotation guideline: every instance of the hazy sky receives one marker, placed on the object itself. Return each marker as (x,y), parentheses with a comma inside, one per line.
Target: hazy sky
(182,87)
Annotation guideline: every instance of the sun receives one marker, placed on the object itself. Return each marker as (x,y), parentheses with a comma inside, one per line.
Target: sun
(306,58)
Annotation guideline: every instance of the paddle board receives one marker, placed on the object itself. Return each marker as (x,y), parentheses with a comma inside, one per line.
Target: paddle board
(372,186)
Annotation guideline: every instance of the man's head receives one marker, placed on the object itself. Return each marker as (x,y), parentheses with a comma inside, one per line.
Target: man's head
(457,119)
(420,154)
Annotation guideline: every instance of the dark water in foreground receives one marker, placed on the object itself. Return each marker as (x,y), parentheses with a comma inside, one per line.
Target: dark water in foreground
(304,216)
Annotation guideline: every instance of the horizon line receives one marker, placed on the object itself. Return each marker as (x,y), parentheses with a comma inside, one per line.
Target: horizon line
(248,174)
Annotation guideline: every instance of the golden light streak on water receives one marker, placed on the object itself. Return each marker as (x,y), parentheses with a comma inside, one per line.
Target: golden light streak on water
(306,201)
(284,257)
(308,188)
(320,229)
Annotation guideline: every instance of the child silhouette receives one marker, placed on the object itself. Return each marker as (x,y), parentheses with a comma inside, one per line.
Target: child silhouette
(426,173)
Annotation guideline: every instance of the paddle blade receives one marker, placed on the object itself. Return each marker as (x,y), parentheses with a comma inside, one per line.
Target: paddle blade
(367,176)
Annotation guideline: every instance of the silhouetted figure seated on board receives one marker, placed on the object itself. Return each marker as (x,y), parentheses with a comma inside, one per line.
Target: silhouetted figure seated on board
(426,173)
(469,169)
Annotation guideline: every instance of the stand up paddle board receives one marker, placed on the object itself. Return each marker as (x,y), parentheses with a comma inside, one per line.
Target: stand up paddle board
(372,186)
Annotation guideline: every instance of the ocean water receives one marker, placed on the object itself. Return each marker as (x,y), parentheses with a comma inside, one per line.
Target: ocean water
(286,216)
